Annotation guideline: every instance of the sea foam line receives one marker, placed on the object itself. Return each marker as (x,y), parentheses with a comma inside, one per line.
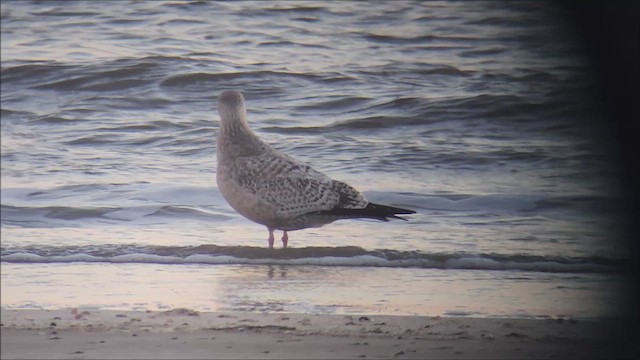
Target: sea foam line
(460,263)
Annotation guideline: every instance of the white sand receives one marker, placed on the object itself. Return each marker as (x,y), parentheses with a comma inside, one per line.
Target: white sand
(184,334)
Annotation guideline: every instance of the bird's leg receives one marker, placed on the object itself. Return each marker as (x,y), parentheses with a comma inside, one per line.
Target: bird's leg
(285,240)
(271,238)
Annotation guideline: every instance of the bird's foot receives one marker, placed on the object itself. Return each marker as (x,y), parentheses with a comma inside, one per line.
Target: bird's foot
(285,240)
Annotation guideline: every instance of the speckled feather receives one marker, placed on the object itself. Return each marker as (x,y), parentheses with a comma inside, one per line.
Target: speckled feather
(293,188)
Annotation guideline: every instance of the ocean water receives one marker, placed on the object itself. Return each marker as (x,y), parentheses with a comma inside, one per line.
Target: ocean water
(480,116)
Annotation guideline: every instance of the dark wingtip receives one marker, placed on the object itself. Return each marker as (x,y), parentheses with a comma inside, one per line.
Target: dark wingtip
(372,211)
(401,211)
(388,211)
(399,217)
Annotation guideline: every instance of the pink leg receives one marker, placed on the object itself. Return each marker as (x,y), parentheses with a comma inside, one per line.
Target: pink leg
(285,240)
(271,239)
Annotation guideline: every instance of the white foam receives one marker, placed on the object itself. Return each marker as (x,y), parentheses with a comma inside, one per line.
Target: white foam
(454,263)
(145,258)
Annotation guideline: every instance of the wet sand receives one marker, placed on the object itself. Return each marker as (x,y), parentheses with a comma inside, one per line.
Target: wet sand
(186,334)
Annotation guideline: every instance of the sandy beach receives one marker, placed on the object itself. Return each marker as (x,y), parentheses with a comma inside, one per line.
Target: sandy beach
(186,334)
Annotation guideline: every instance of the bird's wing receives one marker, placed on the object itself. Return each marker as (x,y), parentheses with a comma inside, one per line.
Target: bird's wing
(292,187)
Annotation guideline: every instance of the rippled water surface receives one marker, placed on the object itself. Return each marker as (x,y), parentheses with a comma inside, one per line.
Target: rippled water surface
(478,115)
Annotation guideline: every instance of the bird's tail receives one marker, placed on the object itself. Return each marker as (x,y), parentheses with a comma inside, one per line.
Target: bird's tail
(372,211)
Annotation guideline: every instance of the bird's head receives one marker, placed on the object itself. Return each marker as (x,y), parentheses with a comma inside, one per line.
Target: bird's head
(231,108)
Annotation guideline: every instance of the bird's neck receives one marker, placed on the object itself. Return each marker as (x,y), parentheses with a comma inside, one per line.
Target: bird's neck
(236,135)
(234,128)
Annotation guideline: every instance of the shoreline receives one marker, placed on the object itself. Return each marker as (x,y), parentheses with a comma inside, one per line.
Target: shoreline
(187,334)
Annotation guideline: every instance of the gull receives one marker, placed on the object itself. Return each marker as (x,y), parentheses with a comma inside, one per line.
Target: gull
(275,190)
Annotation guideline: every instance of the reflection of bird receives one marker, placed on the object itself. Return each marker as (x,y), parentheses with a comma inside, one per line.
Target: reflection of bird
(274,190)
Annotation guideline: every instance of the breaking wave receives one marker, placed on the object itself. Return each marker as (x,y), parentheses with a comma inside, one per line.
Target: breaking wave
(316,256)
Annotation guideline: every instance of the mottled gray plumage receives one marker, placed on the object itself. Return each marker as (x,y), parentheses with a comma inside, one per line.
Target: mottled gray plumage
(275,190)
